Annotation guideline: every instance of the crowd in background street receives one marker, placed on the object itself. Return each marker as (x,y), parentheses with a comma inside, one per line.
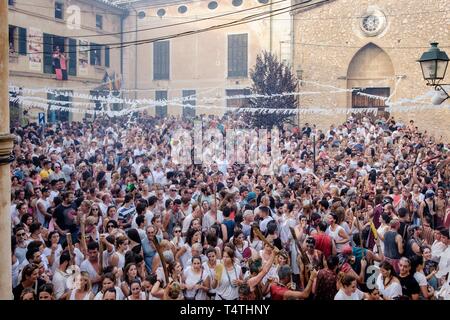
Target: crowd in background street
(101,211)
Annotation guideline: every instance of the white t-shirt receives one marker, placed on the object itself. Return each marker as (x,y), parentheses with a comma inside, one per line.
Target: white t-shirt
(40,215)
(421,279)
(48,251)
(263,225)
(119,294)
(225,289)
(89,268)
(357,295)
(392,291)
(193,279)
(186,222)
(208,220)
(59,282)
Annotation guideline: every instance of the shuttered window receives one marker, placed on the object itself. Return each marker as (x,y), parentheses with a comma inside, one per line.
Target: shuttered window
(96,54)
(161,60)
(48,50)
(107,57)
(22,41)
(238,55)
(72,57)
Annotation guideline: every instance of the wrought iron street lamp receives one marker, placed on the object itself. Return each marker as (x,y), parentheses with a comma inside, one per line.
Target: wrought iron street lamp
(434,64)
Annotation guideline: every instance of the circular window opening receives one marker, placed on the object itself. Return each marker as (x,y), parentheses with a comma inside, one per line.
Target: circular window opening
(237,3)
(182,9)
(212,5)
(141,14)
(161,13)
(263,1)
(373,23)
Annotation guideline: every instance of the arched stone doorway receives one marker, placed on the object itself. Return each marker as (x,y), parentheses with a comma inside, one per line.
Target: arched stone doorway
(370,71)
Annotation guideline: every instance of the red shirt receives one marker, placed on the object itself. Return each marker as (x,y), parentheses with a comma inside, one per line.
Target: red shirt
(277,292)
(323,243)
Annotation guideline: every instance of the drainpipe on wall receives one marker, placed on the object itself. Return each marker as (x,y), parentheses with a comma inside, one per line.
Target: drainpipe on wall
(270,35)
(122,20)
(135,52)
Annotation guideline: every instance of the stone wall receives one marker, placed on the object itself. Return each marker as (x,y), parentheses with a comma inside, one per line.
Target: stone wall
(328,36)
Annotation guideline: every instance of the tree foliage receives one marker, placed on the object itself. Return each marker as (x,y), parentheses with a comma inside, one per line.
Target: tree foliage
(269,77)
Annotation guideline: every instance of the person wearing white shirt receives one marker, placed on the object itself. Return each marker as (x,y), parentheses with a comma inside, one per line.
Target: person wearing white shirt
(60,276)
(439,246)
(349,291)
(211,217)
(15,271)
(107,284)
(92,267)
(264,213)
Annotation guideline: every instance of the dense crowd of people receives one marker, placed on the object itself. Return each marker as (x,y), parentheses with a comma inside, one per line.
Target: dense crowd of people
(101,211)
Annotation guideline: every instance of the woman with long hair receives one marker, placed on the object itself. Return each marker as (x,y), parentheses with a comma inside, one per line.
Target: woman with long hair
(210,267)
(46,292)
(417,265)
(136,291)
(30,280)
(254,241)
(175,271)
(53,250)
(430,268)
(184,254)
(129,274)
(388,283)
(228,277)
(109,282)
(196,280)
(240,244)
(336,232)
(28,294)
(82,290)
(118,257)
(111,213)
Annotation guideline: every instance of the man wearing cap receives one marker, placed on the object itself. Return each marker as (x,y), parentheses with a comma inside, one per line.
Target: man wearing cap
(250,200)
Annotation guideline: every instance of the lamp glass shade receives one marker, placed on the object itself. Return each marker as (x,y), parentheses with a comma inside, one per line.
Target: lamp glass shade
(441,68)
(428,69)
(434,63)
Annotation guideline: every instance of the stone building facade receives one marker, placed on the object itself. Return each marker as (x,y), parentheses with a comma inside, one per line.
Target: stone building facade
(373,45)
(211,65)
(35,29)
(338,44)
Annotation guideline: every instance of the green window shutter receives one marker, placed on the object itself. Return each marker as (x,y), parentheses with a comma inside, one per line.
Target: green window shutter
(22,41)
(48,50)
(161,60)
(72,57)
(95,54)
(107,57)
(238,55)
